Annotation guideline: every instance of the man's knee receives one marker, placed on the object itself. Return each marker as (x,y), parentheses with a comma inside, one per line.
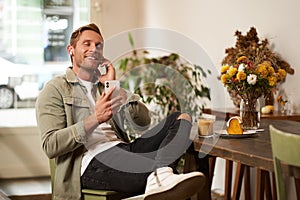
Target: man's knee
(185,116)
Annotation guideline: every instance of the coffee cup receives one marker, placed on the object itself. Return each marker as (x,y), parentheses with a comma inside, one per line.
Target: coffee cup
(205,125)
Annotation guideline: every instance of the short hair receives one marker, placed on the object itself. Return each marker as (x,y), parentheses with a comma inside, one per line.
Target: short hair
(76,34)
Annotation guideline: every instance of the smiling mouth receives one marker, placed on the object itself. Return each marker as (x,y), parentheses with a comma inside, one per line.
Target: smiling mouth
(91,58)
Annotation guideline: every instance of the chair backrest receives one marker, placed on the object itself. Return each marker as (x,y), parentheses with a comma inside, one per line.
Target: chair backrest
(52,173)
(285,148)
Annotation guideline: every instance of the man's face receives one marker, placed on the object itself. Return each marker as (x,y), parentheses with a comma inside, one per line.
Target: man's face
(88,51)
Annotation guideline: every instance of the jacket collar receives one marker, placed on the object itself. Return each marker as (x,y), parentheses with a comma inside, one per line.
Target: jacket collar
(71,76)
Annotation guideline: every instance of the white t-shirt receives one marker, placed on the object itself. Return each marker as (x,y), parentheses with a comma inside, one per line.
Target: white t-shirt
(101,139)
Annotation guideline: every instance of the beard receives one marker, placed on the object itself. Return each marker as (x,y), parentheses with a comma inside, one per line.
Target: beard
(90,65)
(89,69)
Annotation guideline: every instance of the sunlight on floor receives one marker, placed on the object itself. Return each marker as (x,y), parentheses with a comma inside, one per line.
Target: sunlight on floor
(12,187)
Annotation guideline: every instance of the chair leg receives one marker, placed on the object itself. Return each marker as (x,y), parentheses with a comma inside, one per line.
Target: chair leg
(297,185)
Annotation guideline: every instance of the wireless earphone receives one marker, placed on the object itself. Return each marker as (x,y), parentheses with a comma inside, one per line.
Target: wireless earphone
(71,52)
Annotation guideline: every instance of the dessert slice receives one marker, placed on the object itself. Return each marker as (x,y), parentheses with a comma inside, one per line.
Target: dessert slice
(234,125)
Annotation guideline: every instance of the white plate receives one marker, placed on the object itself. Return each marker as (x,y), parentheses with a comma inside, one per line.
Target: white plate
(223,133)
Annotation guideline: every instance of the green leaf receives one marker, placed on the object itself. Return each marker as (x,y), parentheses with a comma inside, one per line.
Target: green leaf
(131,40)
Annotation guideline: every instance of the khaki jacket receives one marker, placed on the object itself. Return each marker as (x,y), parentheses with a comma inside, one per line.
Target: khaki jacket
(61,107)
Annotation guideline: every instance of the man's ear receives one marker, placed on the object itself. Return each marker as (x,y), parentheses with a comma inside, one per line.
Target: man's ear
(70,50)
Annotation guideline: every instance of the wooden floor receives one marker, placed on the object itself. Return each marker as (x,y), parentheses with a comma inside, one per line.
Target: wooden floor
(48,197)
(25,189)
(25,197)
(43,193)
(32,197)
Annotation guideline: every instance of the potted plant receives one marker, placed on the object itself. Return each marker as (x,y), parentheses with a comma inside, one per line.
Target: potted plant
(167,83)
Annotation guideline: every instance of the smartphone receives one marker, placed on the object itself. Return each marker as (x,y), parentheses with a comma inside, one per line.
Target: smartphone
(102,69)
(110,84)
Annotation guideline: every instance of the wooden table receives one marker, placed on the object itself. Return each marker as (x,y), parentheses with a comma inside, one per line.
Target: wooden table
(226,113)
(249,152)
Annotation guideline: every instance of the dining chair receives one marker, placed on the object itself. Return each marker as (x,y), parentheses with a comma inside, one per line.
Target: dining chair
(89,194)
(286,149)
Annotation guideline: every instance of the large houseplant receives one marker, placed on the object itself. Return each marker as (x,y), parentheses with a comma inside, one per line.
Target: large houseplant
(167,83)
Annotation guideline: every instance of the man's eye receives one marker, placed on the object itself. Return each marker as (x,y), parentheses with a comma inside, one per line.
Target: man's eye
(86,43)
(99,46)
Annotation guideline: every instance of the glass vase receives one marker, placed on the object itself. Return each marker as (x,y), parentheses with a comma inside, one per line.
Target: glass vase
(250,113)
(269,99)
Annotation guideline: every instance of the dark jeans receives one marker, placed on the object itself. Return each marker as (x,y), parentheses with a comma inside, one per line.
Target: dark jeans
(125,167)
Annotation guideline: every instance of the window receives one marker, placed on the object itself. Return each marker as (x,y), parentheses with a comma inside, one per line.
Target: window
(34,37)
(58,25)
(57,30)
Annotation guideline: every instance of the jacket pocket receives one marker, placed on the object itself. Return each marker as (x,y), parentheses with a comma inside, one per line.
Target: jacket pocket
(76,101)
(77,108)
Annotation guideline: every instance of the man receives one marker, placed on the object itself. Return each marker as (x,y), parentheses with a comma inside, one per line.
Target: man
(81,127)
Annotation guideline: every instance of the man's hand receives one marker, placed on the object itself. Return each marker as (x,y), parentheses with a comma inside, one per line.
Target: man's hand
(107,105)
(110,71)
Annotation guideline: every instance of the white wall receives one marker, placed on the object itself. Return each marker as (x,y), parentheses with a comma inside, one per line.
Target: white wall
(115,16)
(212,24)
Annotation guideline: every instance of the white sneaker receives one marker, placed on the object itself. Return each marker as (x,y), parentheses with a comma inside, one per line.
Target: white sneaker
(164,184)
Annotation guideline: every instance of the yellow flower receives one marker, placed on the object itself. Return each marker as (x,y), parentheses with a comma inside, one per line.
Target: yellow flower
(281,74)
(267,63)
(281,100)
(241,76)
(262,70)
(232,71)
(272,80)
(241,58)
(271,70)
(224,78)
(224,68)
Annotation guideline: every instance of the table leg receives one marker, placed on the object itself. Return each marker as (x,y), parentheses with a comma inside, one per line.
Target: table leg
(263,185)
(212,163)
(192,163)
(267,183)
(238,181)
(247,189)
(259,185)
(189,162)
(228,180)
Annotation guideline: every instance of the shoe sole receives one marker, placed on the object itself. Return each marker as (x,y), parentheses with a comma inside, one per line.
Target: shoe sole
(181,191)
